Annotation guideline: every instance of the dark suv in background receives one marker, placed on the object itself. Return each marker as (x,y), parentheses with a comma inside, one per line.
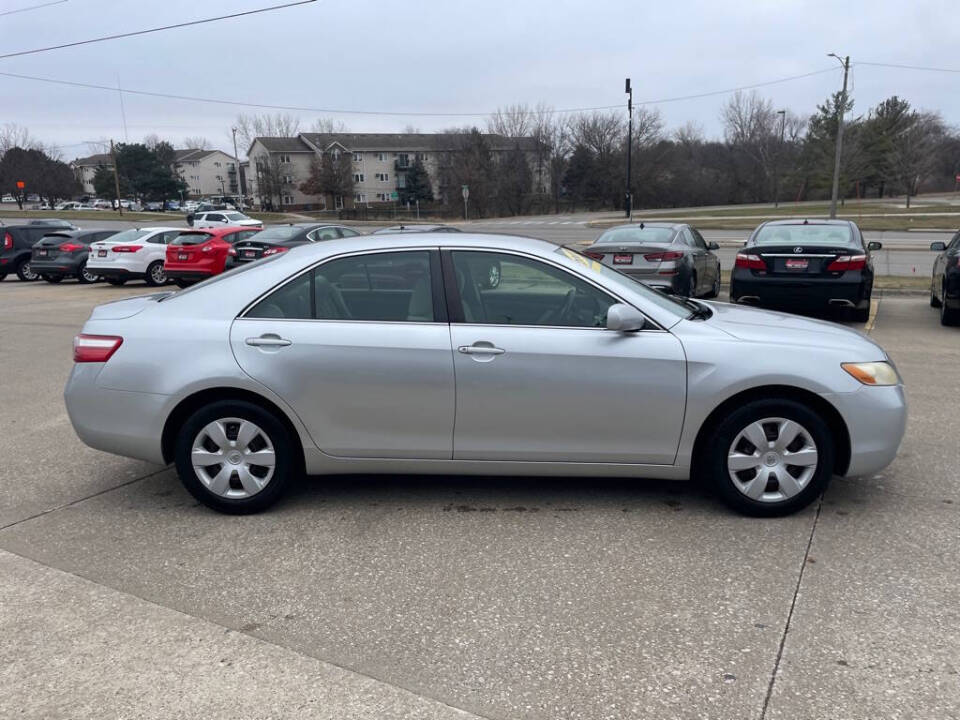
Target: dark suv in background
(16,244)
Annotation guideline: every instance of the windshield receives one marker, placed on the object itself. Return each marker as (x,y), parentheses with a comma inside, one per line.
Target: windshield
(191,238)
(128,236)
(800,235)
(680,308)
(236,216)
(272,234)
(654,235)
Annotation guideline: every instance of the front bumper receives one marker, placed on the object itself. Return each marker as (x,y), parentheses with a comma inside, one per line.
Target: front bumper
(115,421)
(876,418)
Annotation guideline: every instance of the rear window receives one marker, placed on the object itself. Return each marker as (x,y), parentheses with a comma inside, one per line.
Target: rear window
(129,235)
(273,234)
(803,235)
(653,235)
(191,238)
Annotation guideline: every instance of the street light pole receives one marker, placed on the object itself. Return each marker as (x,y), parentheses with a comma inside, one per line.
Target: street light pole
(840,110)
(776,165)
(628,210)
(116,177)
(236,167)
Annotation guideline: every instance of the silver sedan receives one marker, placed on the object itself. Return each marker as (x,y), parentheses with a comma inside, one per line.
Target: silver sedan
(463,353)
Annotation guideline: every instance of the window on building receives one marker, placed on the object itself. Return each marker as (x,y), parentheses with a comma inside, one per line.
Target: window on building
(403,160)
(288,199)
(381,157)
(338,202)
(216,164)
(383,177)
(360,198)
(284,158)
(401,181)
(358,157)
(358,178)
(422,157)
(288,179)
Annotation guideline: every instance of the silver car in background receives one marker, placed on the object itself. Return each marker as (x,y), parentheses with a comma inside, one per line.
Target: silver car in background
(484,354)
(672,257)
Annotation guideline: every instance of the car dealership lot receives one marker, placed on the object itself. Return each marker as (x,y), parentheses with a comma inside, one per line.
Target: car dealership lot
(450,596)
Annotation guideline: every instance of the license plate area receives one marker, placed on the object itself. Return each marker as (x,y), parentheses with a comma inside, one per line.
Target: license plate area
(797,264)
(101,253)
(249,253)
(182,256)
(41,253)
(623,259)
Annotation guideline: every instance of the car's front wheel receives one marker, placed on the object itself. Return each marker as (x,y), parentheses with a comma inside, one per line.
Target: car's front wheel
(769,457)
(948,315)
(235,457)
(86,276)
(934,300)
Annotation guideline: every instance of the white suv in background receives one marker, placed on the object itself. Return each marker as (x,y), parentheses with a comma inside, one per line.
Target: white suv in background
(133,254)
(223,218)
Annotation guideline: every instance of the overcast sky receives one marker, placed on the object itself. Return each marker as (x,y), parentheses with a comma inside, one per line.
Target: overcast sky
(458,56)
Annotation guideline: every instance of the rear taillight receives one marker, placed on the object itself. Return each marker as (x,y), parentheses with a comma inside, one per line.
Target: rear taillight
(593,255)
(848,262)
(663,256)
(232,252)
(7,241)
(71,247)
(750,262)
(206,248)
(274,251)
(126,248)
(95,348)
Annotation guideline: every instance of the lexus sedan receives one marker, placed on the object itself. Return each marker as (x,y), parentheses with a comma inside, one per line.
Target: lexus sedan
(280,238)
(667,256)
(806,265)
(397,354)
(945,283)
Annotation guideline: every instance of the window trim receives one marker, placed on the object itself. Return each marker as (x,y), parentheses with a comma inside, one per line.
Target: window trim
(440,316)
(455,305)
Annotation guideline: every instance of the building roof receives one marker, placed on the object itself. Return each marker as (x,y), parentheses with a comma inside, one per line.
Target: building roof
(193,154)
(413,142)
(283,144)
(93,160)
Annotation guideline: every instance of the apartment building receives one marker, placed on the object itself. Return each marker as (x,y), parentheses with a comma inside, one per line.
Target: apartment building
(206,172)
(380,162)
(86,168)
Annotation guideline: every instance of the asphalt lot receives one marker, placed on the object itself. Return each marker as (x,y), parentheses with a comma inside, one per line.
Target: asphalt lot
(452,597)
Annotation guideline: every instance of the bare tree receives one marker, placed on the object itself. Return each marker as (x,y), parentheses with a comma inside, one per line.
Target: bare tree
(250,127)
(411,129)
(328,125)
(13,135)
(512,121)
(197,142)
(152,140)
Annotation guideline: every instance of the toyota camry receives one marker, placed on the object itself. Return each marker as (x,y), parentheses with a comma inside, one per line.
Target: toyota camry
(482,354)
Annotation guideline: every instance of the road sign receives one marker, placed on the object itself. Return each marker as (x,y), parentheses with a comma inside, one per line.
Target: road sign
(465,189)
(394,195)
(21,184)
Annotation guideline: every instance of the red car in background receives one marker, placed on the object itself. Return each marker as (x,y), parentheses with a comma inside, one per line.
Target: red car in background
(196,255)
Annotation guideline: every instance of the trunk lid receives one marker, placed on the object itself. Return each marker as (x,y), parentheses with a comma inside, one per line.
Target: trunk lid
(637,259)
(811,260)
(122,309)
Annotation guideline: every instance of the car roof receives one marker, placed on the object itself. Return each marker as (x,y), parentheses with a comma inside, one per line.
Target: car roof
(645,224)
(808,221)
(415,228)
(217,231)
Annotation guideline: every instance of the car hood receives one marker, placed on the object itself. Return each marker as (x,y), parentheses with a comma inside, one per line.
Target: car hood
(769,327)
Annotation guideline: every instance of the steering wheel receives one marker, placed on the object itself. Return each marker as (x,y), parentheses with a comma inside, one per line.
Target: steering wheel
(568,302)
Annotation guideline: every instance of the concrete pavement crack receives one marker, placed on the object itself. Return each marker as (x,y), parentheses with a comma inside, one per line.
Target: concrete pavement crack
(793,605)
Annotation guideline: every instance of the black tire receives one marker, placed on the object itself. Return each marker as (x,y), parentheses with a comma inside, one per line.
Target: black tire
(25,273)
(934,300)
(712,463)
(181,283)
(691,289)
(860,315)
(285,469)
(53,279)
(948,316)
(3,276)
(155,273)
(715,290)
(117,281)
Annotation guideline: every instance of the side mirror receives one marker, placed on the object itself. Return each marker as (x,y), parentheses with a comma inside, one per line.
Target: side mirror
(623,318)
(874,245)
(938,246)
(712,245)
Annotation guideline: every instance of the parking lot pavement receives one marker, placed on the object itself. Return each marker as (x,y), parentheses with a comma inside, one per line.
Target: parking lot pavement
(504,598)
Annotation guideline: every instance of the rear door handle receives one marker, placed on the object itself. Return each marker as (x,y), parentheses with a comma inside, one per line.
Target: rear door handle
(480,350)
(268,341)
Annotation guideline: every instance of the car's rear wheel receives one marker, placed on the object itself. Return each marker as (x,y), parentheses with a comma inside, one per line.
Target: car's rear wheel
(691,289)
(53,279)
(118,281)
(769,457)
(156,275)
(715,290)
(85,276)
(934,300)
(235,457)
(860,314)
(25,272)
(948,316)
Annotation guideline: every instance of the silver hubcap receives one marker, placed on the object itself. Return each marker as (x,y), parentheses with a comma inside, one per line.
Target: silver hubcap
(772,459)
(233,458)
(158,275)
(28,272)
(87,275)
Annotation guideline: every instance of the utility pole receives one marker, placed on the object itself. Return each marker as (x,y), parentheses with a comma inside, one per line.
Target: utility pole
(116,176)
(236,160)
(776,164)
(840,110)
(628,210)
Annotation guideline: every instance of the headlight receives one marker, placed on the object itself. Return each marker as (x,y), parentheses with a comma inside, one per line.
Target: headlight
(873,373)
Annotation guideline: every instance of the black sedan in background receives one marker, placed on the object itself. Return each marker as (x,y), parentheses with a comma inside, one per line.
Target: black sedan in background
(806,265)
(945,285)
(672,257)
(280,238)
(64,254)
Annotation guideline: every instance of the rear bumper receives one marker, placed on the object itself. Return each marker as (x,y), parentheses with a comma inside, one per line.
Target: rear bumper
(113,272)
(191,275)
(876,418)
(69,266)
(115,421)
(798,291)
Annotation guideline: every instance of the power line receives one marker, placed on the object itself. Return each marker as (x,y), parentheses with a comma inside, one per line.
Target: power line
(908,67)
(337,111)
(32,7)
(156,29)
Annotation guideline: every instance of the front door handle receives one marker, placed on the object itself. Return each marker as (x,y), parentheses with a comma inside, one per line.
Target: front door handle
(268,341)
(480,350)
